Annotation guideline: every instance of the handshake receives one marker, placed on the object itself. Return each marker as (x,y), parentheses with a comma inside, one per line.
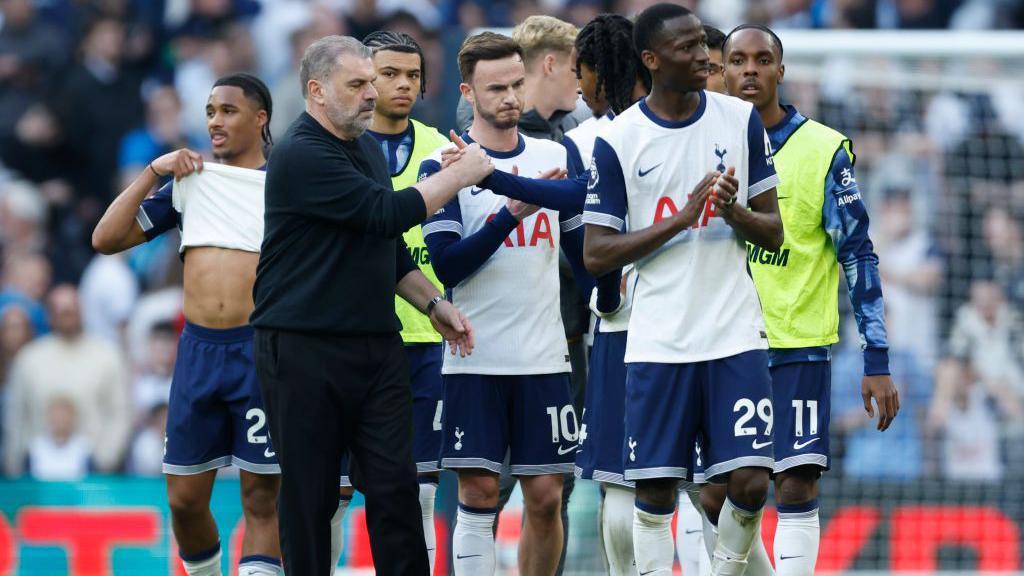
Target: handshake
(469,162)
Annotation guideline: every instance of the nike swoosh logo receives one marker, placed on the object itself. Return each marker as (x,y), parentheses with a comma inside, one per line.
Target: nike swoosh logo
(458,557)
(693,531)
(641,172)
(789,557)
(564,451)
(475,190)
(755,444)
(798,445)
(268,453)
(648,572)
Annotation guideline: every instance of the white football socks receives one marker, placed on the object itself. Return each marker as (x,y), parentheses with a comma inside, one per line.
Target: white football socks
(428,490)
(203,564)
(737,528)
(689,535)
(473,542)
(652,540)
(796,539)
(710,536)
(758,563)
(617,529)
(258,565)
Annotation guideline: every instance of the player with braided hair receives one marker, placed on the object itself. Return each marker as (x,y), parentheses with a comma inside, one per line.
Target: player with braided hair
(608,76)
(405,142)
(400,42)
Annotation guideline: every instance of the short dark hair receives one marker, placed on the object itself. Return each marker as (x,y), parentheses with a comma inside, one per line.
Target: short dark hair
(651,21)
(716,38)
(255,90)
(382,40)
(762,28)
(485,46)
(605,44)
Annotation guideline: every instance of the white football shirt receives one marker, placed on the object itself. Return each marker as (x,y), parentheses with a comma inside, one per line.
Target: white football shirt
(512,300)
(694,298)
(580,143)
(222,206)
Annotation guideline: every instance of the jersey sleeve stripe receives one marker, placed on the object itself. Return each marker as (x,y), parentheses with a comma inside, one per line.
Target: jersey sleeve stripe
(602,219)
(572,223)
(442,226)
(762,186)
(143,219)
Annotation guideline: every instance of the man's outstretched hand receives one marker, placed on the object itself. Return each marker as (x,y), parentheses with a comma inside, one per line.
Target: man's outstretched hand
(453,327)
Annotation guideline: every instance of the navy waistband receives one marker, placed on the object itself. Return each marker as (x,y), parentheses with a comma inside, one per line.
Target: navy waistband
(219,335)
(780,356)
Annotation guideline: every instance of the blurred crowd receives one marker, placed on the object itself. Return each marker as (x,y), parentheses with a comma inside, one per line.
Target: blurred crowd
(92,90)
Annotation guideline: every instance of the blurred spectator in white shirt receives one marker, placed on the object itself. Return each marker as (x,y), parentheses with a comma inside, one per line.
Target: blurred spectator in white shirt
(61,452)
(970,442)
(153,385)
(108,292)
(987,335)
(89,371)
(978,385)
(152,308)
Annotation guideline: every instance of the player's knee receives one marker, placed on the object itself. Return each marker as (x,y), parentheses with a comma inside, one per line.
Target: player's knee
(478,490)
(543,499)
(749,486)
(796,486)
(186,504)
(712,497)
(259,500)
(660,492)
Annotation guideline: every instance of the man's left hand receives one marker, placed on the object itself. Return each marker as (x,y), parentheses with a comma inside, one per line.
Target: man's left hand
(886,396)
(453,327)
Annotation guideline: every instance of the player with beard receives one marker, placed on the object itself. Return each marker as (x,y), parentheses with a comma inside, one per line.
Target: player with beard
(405,143)
(215,415)
(697,365)
(329,356)
(498,259)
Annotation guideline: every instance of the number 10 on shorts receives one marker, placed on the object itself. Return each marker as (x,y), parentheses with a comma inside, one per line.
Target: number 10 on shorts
(560,423)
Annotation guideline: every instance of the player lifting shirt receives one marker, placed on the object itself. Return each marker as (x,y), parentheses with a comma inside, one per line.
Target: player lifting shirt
(215,414)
